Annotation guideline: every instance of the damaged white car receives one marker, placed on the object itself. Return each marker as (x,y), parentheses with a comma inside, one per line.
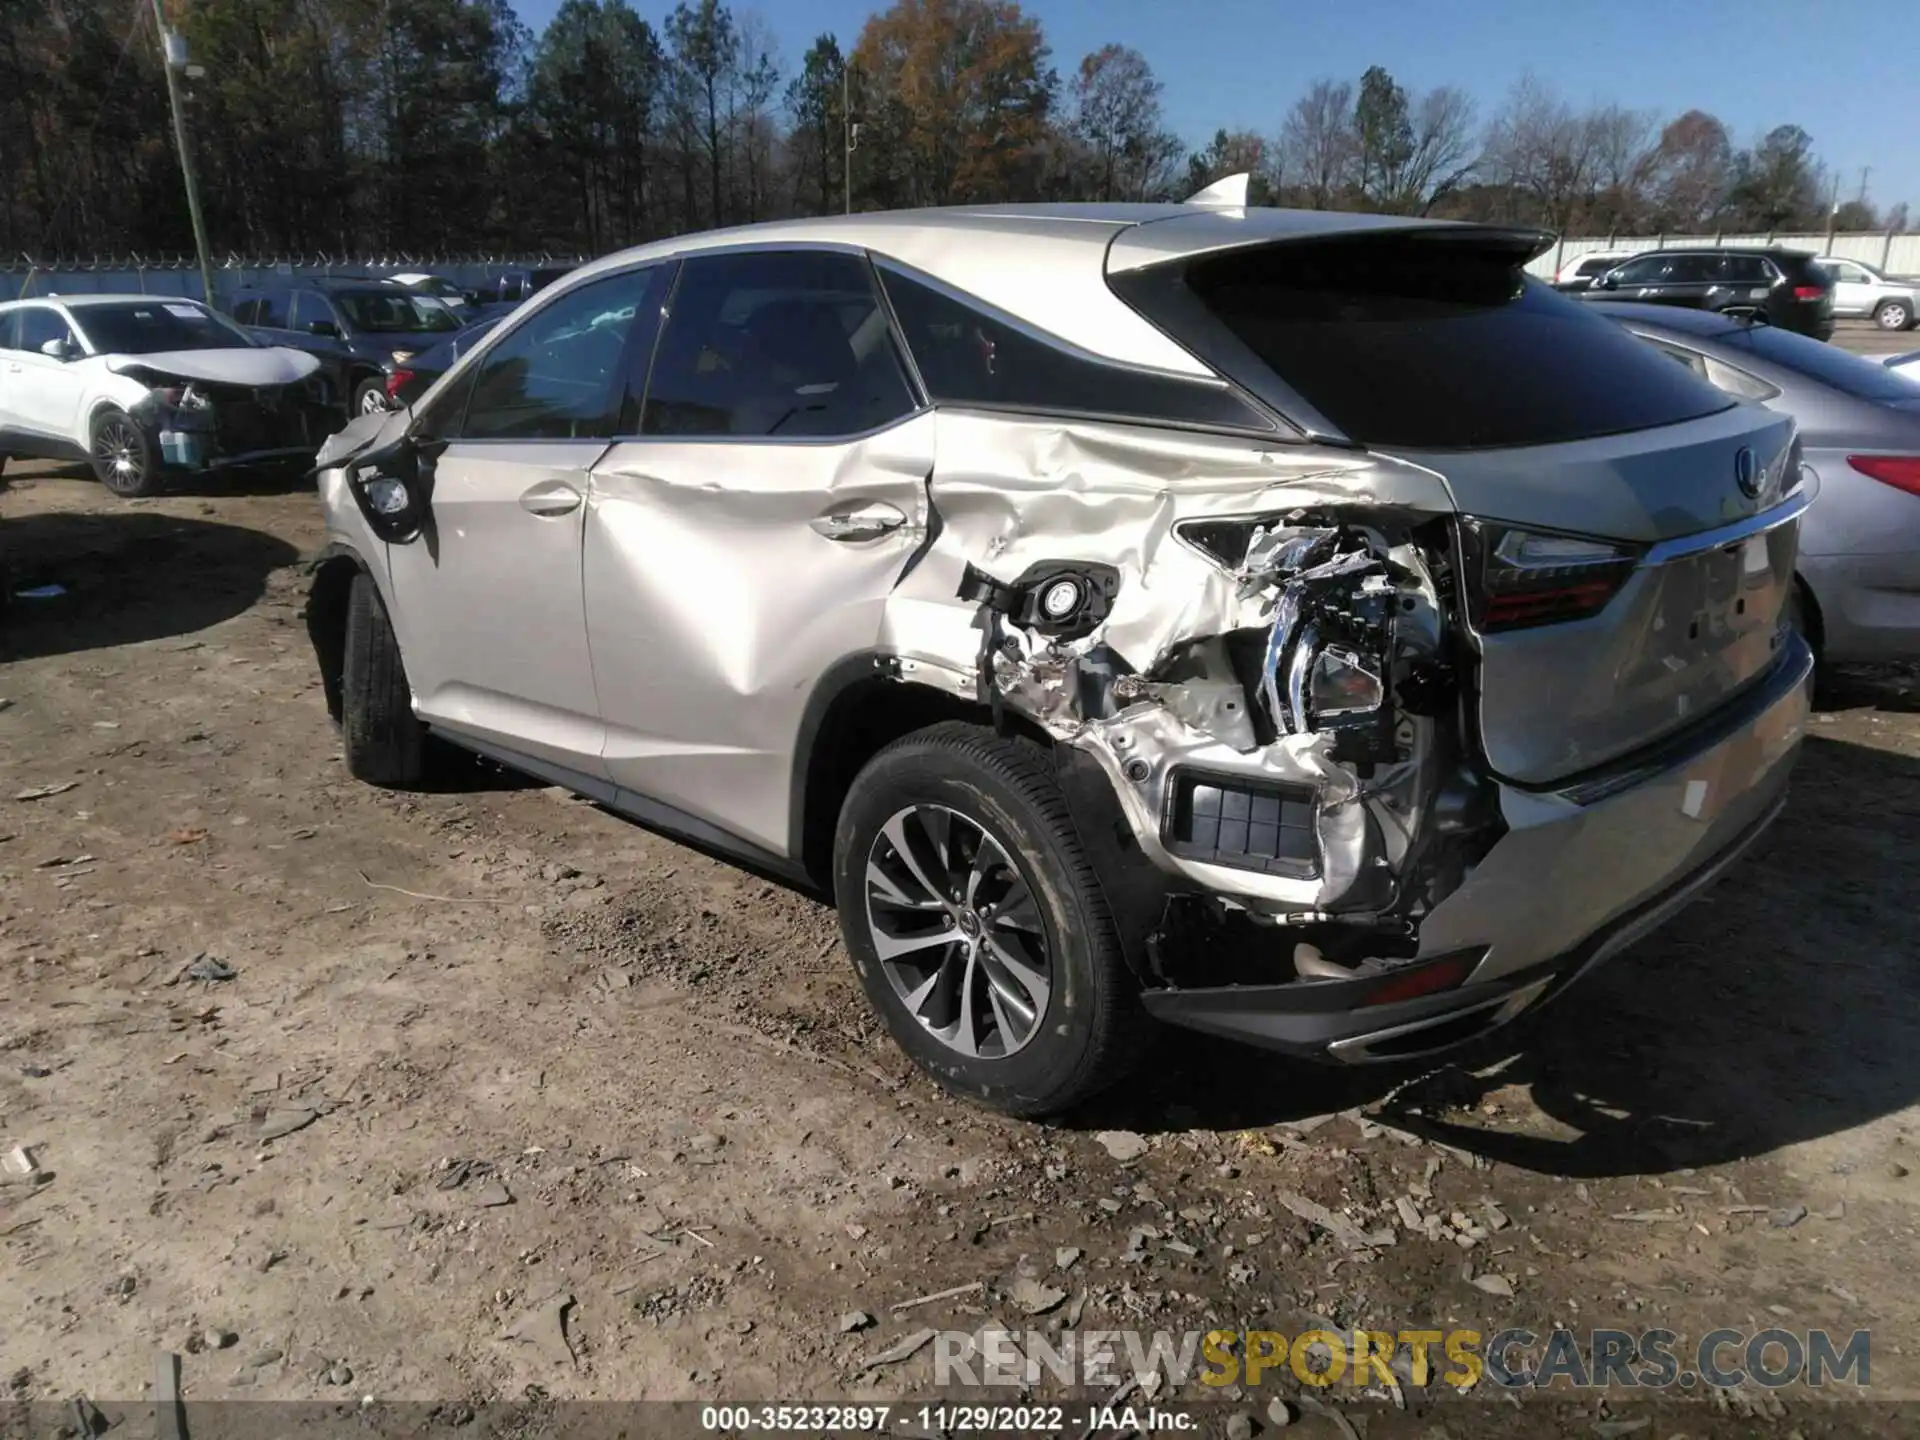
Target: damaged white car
(148,387)
(1298,626)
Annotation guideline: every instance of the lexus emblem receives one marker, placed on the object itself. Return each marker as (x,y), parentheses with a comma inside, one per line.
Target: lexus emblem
(1746,473)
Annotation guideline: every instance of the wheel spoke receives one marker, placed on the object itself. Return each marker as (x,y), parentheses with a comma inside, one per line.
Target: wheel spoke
(921,865)
(965,1034)
(1017,910)
(1024,975)
(883,885)
(892,947)
(1010,1034)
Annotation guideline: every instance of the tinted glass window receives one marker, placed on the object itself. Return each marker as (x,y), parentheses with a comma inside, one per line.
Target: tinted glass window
(9,329)
(151,327)
(1424,344)
(1645,270)
(393,312)
(38,325)
(1694,269)
(969,356)
(269,308)
(559,375)
(1748,270)
(783,345)
(306,306)
(1864,379)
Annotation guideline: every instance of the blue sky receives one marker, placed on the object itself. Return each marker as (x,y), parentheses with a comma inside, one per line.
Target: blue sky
(1847,73)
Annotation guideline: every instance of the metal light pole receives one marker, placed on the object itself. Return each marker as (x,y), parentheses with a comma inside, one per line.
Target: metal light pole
(174,57)
(848,128)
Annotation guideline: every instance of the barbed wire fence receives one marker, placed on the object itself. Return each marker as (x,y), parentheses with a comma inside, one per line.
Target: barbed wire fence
(166,273)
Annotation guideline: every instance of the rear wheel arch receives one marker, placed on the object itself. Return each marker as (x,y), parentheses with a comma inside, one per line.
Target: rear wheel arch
(858,709)
(1804,607)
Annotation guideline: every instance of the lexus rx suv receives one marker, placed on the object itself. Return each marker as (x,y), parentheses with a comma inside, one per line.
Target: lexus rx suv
(1298,626)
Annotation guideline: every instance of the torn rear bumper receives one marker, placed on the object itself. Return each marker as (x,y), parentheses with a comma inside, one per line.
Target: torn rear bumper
(1583,873)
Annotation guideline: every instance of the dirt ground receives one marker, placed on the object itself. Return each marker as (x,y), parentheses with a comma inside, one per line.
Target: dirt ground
(521,1051)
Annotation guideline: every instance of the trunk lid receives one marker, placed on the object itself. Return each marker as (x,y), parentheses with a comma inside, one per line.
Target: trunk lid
(1696,620)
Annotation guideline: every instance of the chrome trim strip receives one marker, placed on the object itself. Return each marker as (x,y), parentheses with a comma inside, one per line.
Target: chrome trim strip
(1667,551)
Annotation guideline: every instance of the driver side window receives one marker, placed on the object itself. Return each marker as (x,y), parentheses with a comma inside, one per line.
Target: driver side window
(1642,272)
(39,325)
(559,375)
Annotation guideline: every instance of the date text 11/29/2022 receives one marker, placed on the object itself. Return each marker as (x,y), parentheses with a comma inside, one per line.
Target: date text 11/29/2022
(944,1419)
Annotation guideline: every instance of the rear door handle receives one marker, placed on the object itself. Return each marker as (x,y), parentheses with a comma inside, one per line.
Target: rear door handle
(550,497)
(862,520)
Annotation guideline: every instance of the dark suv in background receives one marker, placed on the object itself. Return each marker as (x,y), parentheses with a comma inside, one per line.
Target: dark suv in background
(362,328)
(1784,287)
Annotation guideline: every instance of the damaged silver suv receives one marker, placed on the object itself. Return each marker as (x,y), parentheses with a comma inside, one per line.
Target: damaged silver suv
(1301,627)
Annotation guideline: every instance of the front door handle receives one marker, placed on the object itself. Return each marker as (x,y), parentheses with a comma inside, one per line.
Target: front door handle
(863,520)
(550,497)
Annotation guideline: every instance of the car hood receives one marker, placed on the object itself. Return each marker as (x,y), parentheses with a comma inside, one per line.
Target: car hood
(275,365)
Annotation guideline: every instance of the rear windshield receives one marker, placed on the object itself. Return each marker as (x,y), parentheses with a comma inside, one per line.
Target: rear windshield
(1849,374)
(394,312)
(1403,341)
(151,329)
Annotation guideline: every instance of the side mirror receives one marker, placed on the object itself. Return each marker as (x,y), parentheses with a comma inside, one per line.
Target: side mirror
(393,486)
(62,349)
(323,327)
(1606,282)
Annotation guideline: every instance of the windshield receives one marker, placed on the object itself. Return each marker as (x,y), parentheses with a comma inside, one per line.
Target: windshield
(394,312)
(148,328)
(438,285)
(1849,374)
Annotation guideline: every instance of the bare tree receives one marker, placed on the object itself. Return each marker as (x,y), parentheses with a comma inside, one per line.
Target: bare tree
(1316,149)
(1624,160)
(1442,154)
(1691,173)
(1118,119)
(1540,154)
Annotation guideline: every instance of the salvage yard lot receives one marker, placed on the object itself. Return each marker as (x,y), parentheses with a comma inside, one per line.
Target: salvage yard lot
(361,1082)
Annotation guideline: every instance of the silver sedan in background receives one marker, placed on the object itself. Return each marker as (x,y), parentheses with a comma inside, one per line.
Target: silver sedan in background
(1859,590)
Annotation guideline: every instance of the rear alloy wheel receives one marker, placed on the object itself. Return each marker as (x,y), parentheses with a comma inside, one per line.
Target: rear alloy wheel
(370,397)
(123,455)
(977,924)
(1893,315)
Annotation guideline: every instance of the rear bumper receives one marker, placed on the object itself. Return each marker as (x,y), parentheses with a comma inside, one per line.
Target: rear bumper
(1575,881)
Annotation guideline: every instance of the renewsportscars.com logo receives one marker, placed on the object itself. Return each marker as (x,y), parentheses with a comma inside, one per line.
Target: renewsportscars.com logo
(1461,1359)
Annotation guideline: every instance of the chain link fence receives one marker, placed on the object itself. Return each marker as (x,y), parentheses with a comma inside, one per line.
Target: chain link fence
(22,276)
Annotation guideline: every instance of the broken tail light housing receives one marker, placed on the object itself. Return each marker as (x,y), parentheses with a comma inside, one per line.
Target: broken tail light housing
(1536,577)
(395,379)
(1902,472)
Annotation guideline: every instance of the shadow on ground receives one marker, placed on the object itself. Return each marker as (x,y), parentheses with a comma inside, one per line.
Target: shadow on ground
(278,479)
(127,576)
(1782,1006)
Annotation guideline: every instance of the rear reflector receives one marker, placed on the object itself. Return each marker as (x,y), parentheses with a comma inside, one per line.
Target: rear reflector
(1809,292)
(1428,979)
(1900,471)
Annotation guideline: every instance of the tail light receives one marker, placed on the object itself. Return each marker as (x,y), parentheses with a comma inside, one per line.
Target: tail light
(1809,292)
(1900,471)
(395,379)
(1534,577)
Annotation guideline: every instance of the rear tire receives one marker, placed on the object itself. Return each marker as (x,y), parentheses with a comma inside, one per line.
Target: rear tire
(385,741)
(370,397)
(123,455)
(993,847)
(1894,315)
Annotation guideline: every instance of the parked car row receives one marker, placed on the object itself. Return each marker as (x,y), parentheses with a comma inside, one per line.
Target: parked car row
(1791,288)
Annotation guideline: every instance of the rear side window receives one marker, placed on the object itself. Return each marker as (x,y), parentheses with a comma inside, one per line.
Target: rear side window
(9,329)
(1748,270)
(1430,343)
(268,308)
(969,356)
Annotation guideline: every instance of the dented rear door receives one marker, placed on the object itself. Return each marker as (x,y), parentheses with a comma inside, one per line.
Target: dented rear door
(745,542)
